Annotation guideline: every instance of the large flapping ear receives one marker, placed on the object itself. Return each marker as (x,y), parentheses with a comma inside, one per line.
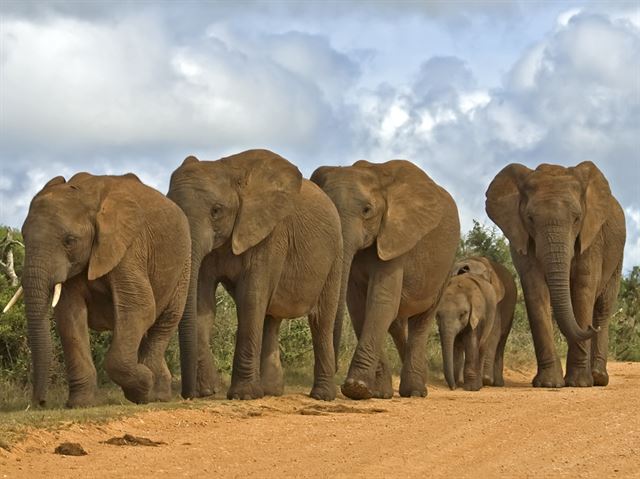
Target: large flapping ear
(503,204)
(483,301)
(118,222)
(489,273)
(320,175)
(597,196)
(414,206)
(267,196)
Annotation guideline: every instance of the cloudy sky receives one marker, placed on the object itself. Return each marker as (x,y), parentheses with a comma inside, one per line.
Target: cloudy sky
(460,88)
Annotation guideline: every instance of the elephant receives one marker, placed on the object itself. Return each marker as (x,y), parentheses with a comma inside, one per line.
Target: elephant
(273,240)
(400,234)
(108,253)
(566,234)
(474,319)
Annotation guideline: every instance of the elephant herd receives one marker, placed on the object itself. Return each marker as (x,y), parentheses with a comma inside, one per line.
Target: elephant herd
(110,253)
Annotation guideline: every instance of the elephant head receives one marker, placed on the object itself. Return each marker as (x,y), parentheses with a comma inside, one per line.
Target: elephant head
(235,201)
(469,301)
(392,205)
(551,214)
(83,226)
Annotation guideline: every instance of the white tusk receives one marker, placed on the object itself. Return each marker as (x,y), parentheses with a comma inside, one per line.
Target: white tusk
(13,300)
(57,291)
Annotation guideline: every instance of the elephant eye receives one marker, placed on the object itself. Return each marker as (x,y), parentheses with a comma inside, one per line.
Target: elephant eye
(576,220)
(366,211)
(216,209)
(69,240)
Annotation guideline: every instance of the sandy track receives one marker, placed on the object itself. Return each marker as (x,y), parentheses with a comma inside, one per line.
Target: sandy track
(515,431)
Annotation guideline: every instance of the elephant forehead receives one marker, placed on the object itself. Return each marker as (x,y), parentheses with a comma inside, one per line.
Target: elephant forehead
(552,179)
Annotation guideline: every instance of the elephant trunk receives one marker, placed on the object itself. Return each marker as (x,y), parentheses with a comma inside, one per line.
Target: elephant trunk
(447,338)
(556,260)
(38,289)
(347,258)
(188,330)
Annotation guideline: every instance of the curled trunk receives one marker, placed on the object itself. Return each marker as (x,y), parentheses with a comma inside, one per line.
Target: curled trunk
(556,260)
(447,339)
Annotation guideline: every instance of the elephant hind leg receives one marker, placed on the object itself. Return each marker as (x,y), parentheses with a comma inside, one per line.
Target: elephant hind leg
(271,375)
(413,378)
(322,321)
(600,344)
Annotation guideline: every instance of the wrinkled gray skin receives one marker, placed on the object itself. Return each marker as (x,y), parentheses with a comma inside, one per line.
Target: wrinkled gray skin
(122,252)
(400,234)
(273,240)
(474,318)
(566,233)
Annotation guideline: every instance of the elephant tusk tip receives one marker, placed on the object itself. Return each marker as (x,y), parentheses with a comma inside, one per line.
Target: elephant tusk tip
(57,291)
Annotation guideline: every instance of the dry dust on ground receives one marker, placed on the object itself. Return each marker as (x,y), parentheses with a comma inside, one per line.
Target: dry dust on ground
(516,431)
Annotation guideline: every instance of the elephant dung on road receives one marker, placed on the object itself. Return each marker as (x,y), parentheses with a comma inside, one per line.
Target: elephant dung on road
(116,253)
(474,318)
(566,233)
(400,232)
(273,240)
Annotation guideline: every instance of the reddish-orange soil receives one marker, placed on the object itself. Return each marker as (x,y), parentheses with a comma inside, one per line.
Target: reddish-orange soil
(516,431)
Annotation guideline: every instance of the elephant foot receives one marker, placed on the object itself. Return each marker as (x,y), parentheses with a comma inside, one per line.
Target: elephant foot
(472,384)
(578,378)
(498,382)
(80,400)
(356,389)
(412,384)
(137,395)
(600,377)
(324,392)
(488,380)
(383,388)
(548,378)
(208,381)
(245,391)
(272,380)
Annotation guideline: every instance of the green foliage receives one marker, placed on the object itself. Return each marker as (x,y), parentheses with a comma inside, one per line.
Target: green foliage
(624,328)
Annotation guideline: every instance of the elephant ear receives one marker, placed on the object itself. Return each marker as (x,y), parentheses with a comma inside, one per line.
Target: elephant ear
(118,222)
(320,175)
(414,206)
(489,273)
(267,196)
(483,302)
(596,200)
(503,204)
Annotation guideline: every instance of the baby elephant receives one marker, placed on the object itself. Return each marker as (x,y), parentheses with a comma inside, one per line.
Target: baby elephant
(474,318)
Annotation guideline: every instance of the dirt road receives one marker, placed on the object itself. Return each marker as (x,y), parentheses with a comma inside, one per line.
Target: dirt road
(503,432)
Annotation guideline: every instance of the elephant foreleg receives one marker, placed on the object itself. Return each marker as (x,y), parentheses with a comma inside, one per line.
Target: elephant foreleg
(472,364)
(536,296)
(578,371)
(271,375)
(383,299)
(458,360)
(251,300)
(135,313)
(490,351)
(71,318)
(413,378)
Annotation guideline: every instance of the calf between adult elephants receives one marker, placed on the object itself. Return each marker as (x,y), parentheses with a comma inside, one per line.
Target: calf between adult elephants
(273,240)
(116,254)
(566,233)
(400,233)
(474,318)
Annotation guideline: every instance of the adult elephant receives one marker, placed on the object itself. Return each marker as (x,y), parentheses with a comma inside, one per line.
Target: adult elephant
(474,318)
(109,253)
(400,234)
(273,240)
(566,233)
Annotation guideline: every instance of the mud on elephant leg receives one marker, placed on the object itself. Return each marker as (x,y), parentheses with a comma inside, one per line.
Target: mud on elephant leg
(72,325)
(413,379)
(271,374)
